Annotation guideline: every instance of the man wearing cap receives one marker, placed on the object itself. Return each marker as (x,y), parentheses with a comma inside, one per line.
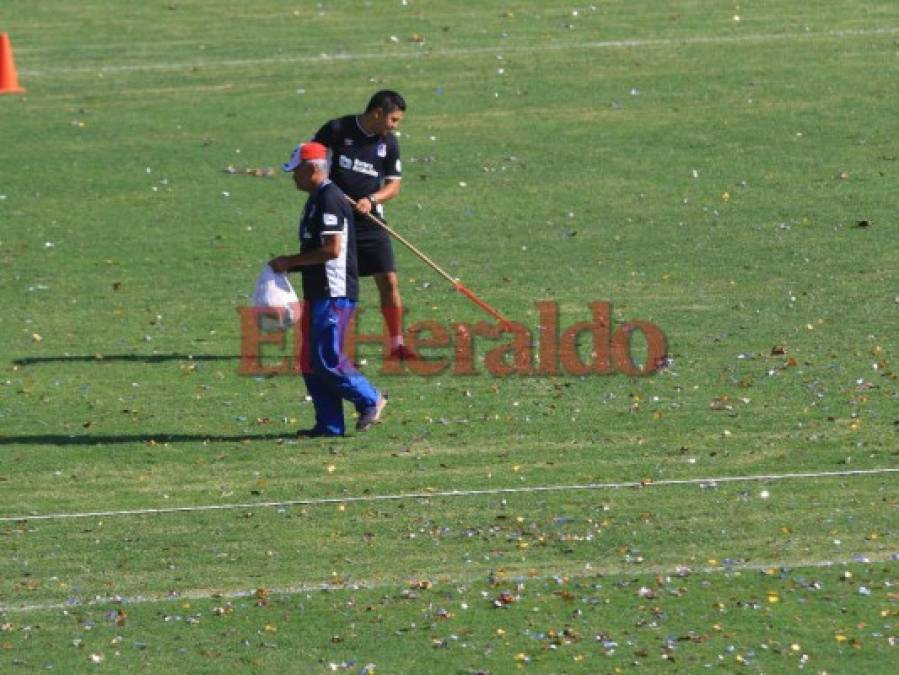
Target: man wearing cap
(327,261)
(365,164)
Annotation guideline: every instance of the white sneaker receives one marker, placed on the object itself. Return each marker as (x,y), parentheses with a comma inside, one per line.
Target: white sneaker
(371,415)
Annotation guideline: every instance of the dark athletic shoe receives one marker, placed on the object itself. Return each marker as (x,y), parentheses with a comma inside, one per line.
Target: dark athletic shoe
(403,353)
(371,415)
(316,433)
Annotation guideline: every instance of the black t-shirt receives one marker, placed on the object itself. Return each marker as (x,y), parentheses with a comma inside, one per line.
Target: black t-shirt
(360,162)
(327,212)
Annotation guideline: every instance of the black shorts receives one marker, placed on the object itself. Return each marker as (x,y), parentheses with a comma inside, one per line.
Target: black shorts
(374,252)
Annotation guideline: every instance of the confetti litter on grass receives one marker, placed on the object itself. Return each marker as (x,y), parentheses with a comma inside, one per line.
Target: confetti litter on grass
(259,172)
(645,483)
(339,583)
(465,51)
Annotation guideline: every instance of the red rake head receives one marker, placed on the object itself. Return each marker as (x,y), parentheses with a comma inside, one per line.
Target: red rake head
(468,293)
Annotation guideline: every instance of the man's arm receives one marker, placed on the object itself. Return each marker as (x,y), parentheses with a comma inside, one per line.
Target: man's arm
(329,250)
(388,191)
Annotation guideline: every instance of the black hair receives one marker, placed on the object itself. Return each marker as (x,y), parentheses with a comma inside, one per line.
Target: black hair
(387,100)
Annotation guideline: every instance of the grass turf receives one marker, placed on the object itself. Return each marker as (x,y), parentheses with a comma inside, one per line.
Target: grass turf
(704,173)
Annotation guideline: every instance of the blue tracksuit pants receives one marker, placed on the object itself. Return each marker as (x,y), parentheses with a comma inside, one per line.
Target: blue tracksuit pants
(328,373)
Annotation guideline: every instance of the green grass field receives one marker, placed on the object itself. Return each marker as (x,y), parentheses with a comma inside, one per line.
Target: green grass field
(728,173)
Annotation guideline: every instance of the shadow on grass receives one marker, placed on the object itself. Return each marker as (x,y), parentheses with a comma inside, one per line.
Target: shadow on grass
(88,439)
(118,358)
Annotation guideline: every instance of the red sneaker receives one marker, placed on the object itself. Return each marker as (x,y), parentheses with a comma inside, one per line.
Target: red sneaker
(403,353)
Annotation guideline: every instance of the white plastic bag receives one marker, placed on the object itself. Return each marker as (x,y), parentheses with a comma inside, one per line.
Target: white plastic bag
(275,295)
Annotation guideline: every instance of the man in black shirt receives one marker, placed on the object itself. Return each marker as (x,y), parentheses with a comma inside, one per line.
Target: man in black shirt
(365,164)
(327,260)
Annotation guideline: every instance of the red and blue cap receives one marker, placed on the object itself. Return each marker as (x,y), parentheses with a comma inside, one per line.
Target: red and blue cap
(303,152)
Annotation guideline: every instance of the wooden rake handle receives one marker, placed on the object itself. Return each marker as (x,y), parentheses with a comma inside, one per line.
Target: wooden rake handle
(458,285)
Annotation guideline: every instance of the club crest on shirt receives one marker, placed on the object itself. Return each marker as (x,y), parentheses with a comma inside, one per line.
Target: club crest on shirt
(345,162)
(382,149)
(347,141)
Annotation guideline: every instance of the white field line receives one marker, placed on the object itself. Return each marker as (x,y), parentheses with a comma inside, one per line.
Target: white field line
(585,571)
(465,51)
(323,501)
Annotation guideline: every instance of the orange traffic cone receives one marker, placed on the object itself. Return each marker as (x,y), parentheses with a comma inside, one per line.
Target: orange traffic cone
(9,81)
